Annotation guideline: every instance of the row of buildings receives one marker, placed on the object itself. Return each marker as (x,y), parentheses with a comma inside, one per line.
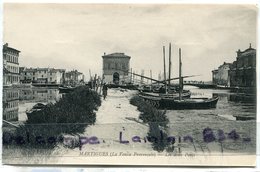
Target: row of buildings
(115,70)
(240,73)
(13,74)
(50,76)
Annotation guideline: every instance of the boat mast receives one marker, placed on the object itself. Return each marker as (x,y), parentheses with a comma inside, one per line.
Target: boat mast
(164,68)
(170,64)
(180,75)
(151,76)
(131,76)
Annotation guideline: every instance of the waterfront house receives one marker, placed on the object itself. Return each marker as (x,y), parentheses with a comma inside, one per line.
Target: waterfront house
(42,75)
(220,76)
(240,73)
(116,68)
(243,70)
(10,65)
(74,78)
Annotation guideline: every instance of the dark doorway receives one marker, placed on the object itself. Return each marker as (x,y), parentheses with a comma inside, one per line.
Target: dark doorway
(116,78)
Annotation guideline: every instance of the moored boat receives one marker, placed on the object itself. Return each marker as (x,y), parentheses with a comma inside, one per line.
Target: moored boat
(165,101)
(185,94)
(36,107)
(66,89)
(170,103)
(190,103)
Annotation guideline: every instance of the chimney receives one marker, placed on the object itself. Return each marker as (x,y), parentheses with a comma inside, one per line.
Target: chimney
(5,45)
(250,45)
(104,53)
(238,53)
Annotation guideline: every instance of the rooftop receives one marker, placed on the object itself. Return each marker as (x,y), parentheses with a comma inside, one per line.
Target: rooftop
(41,69)
(6,47)
(73,72)
(116,55)
(248,50)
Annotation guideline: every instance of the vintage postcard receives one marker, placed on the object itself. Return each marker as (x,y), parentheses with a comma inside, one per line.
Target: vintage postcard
(129,84)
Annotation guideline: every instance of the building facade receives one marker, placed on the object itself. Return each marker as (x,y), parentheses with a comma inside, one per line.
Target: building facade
(116,68)
(221,75)
(42,75)
(243,70)
(74,78)
(10,65)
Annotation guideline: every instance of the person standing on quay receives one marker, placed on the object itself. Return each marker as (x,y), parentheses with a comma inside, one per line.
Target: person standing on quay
(104,90)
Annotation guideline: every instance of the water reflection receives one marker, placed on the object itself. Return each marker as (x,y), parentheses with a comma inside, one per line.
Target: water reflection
(246,98)
(10,104)
(232,106)
(16,101)
(39,95)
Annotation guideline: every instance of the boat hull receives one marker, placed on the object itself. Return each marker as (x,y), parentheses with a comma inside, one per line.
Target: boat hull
(186,94)
(187,103)
(190,103)
(36,107)
(65,89)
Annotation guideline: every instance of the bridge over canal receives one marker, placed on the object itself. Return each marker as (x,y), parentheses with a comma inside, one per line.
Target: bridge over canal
(200,84)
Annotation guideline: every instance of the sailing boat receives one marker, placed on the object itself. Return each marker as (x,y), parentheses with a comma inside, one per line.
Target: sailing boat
(182,103)
(165,91)
(189,103)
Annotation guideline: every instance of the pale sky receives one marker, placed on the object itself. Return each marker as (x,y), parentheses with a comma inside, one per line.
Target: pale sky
(75,36)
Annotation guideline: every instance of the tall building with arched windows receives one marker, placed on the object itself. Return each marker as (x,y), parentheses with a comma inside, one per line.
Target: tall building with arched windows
(116,68)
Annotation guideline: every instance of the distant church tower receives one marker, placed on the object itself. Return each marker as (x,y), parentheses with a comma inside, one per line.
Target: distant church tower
(116,68)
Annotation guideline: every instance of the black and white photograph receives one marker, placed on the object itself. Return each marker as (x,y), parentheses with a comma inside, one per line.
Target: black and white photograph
(129,84)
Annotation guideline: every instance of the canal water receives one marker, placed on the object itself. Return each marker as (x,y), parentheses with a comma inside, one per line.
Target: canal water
(232,106)
(182,123)
(16,101)
(232,123)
